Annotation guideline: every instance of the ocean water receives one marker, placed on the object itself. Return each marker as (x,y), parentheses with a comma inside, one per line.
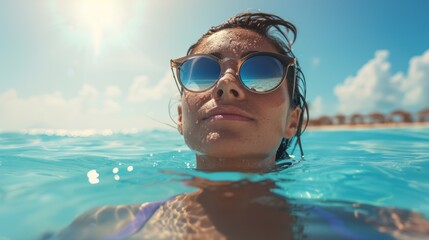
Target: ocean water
(48,178)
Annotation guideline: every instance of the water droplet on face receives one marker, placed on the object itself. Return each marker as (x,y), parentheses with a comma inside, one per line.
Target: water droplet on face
(213,136)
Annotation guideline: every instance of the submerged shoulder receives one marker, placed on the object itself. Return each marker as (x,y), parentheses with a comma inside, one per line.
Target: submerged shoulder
(100,222)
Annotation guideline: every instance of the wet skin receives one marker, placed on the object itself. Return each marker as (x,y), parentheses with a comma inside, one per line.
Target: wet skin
(229,127)
(250,210)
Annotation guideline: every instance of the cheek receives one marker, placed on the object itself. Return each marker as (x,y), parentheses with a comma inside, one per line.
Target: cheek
(195,100)
(191,103)
(277,117)
(282,96)
(187,113)
(188,121)
(276,109)
(192,132)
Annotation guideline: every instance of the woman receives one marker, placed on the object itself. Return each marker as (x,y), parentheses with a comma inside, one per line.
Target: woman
(241,98)
(242,105)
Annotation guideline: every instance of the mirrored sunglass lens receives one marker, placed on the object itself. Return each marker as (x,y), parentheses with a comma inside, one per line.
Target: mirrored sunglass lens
(261,73)
(199,73)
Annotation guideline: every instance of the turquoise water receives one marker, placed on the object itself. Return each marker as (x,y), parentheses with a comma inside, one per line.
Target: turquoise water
(44,182)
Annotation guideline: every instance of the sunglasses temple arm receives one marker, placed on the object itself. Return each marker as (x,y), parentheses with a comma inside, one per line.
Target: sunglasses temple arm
(175,80)
(294,64)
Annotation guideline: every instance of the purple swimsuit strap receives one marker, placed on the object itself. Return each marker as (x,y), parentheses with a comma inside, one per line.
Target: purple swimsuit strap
(142,216)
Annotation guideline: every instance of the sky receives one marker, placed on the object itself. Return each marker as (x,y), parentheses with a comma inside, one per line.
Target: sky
(104,64)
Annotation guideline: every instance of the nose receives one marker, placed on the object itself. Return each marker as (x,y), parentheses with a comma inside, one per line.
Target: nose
(228,86)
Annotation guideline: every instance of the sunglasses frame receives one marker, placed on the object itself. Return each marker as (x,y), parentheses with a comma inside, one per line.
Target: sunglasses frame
(286,60)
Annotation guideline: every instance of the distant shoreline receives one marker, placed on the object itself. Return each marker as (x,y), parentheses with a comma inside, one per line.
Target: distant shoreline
(368,126)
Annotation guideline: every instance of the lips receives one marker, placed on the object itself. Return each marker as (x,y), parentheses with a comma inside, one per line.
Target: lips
(230,113)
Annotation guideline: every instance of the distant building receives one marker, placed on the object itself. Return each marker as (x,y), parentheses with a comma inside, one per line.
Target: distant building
(424,115)
(397,116)
(376,117)
(341,119)
(404,117)
(321,121)
(357,119)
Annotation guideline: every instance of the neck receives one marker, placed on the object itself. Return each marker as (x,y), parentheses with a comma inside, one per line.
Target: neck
(239,164)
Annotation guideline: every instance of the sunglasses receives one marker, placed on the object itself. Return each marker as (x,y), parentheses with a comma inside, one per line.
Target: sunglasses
(258,72)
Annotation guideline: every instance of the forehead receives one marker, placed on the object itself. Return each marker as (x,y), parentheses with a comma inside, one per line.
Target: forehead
(234,42)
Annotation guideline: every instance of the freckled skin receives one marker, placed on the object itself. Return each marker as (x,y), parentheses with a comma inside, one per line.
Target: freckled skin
(237,145)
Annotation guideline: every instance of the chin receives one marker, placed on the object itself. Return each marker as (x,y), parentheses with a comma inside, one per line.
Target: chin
(233,150)
(230,144)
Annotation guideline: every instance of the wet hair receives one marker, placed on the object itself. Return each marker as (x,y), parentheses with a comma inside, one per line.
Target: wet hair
(278,32)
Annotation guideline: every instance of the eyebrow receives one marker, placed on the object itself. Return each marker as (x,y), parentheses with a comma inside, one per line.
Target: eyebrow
(220,56)
(216,54)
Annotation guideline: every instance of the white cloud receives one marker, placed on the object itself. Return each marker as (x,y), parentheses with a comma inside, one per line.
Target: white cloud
(316,107)
(111,106)
(141,91)
(374,88)
(54,111)
(113,91)
(89,109)
(88,92)
(416,83)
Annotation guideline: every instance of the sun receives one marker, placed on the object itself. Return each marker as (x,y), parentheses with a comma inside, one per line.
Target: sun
(99,19)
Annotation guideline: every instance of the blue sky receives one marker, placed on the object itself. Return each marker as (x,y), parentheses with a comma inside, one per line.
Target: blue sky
(105,64)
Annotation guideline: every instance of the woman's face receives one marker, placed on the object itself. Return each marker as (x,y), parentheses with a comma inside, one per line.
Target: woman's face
(227,121)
